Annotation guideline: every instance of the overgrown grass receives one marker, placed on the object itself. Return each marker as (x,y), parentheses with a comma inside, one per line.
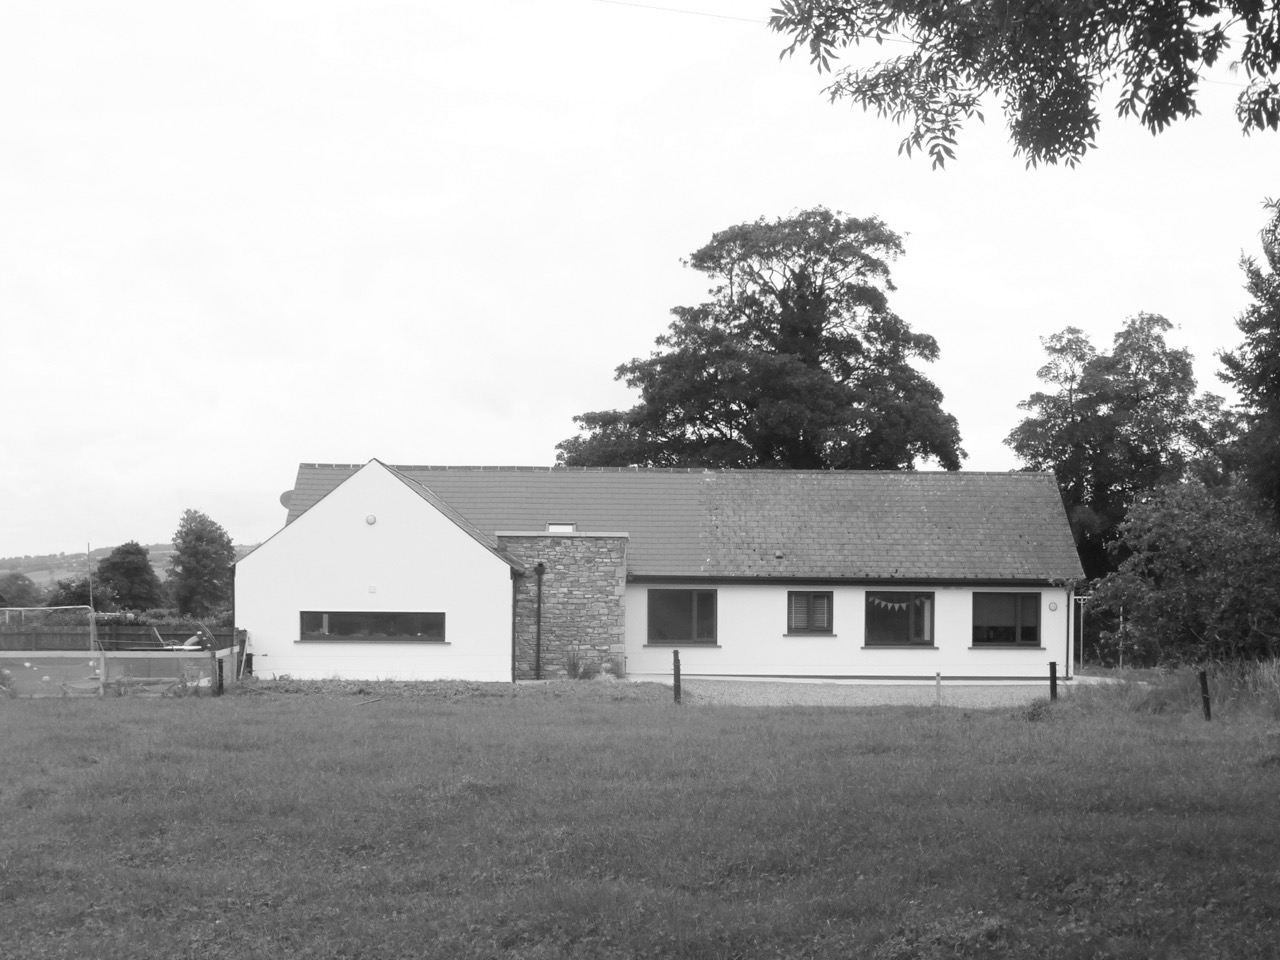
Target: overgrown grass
(1236,690)
(473,822)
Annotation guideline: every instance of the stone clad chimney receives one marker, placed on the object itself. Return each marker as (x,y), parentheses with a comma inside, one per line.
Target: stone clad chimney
(583,594)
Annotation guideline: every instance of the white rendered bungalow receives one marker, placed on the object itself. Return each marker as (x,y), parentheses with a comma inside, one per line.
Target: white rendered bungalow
(499,573)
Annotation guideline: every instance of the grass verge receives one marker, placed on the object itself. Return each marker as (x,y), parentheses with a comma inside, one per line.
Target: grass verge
(383,821)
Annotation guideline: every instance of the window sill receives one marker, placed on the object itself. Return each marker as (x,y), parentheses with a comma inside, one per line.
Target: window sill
(370,640)
(899,646)
(1006,646)
(810,633)
(700,644)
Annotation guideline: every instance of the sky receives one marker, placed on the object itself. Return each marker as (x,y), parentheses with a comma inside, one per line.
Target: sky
(238,237)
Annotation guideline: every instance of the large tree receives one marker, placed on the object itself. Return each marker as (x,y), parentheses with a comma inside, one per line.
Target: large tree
(1046,62)
(1116,424)
(80,592)
(128,572)
(1254,370)
(796,361)
(1201,579)
(200,567)
(20,590)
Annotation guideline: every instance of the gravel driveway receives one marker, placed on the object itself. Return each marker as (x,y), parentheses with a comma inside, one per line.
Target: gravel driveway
(817,694)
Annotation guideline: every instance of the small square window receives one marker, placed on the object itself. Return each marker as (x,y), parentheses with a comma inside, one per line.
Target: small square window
(809,611)
(898,619)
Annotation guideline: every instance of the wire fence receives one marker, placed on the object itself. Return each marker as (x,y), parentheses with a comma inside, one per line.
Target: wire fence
(65,652)
(29,674)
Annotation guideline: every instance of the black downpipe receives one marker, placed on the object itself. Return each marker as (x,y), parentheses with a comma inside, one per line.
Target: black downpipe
(515,606)
(540,569)
(239,662)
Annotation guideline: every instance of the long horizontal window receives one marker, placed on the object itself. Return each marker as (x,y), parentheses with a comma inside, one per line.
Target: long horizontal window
(345,625)
(1006,618)
(897,619)
(682,616)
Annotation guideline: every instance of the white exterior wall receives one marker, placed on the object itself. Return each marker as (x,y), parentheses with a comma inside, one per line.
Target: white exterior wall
(751,637)
(412,559)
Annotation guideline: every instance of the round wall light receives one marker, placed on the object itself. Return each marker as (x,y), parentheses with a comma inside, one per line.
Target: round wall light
(1053,606)
(371,519)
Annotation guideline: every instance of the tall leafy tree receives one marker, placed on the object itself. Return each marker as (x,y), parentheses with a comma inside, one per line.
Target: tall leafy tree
(20,590)
(200,567)
(1254,369)
(797,361)
(1202,576)
(80,592)
(1116,424)
(1046,63)
(128,572)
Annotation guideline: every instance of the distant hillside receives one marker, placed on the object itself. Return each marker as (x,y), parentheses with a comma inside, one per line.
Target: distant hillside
(44,569)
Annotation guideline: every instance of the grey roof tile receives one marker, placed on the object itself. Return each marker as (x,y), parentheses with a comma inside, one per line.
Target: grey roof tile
(843,525)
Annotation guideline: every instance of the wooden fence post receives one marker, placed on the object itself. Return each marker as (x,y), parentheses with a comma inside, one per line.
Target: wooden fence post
(1204,694)
(675,667)
(1053,679)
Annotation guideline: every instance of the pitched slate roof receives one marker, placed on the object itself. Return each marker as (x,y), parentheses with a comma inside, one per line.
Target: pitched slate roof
(827,525)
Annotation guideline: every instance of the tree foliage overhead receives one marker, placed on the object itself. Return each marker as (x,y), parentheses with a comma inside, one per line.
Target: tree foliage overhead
(1254,369)
(796,361)
(1045,61)
(1202,576)
(127,571)
(1117,424)
(200,567)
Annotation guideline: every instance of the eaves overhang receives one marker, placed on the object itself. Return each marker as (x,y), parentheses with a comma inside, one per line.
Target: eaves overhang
(642,578)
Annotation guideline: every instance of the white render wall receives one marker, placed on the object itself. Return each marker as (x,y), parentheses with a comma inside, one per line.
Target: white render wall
(752,626)
(412,559)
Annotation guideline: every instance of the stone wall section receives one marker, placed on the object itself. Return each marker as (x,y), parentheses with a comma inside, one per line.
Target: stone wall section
(583,590)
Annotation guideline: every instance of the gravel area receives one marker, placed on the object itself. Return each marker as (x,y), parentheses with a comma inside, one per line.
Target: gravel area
(817,694)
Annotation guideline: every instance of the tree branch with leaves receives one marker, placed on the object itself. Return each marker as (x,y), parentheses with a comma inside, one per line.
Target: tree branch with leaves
(1045,62)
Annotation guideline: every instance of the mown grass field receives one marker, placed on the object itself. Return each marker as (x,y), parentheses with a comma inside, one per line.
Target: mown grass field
(465,821)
